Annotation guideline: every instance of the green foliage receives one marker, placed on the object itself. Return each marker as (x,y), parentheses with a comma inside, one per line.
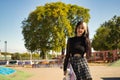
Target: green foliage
(35,56)
(16,56)
(25,56)
(47,26)
(107,37)
(6,53)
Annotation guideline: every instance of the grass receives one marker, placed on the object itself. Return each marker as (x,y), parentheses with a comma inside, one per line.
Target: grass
(18,75)
(115,64)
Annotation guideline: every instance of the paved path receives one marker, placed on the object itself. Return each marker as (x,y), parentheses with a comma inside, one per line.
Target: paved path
(98,73)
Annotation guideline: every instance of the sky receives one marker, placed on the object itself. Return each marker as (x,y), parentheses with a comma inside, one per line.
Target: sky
(13,12)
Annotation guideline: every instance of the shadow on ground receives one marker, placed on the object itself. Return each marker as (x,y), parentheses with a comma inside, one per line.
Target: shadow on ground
(111,78)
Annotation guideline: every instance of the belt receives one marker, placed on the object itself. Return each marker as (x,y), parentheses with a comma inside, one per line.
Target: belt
(77,55)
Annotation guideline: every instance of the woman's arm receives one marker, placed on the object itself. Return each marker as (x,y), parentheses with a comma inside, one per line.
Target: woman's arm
(67,55)
(88,48)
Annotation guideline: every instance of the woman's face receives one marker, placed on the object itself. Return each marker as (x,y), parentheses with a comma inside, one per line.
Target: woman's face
(81,29)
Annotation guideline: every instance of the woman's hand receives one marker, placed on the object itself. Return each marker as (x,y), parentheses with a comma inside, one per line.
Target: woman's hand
(65,72)
(85,55)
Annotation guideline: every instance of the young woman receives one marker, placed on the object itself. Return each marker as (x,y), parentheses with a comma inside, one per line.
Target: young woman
(77,47)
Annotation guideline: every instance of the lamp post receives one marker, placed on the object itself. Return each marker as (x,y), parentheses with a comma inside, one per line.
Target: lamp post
(0,48)
(0,51)
(5,50)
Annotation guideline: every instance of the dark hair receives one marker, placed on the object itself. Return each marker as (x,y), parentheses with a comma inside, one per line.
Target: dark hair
(79,23)
(86,36)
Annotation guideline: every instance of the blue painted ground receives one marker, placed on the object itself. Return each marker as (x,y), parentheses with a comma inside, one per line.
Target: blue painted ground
(6,71)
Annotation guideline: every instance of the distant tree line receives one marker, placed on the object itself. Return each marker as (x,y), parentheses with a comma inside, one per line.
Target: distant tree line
(27,56)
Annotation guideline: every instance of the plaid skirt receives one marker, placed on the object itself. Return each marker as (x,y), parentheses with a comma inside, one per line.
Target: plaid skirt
(80,67)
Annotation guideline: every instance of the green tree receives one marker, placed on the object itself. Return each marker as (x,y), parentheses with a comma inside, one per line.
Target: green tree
(107,36)
(16,56)
(99,41)
(47,27)
(25,56)
(35,56)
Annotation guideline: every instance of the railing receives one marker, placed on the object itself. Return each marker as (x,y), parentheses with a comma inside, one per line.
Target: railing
(105,56)
(33,63)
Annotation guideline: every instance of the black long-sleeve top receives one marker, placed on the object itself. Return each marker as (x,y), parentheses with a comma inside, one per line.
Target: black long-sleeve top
(74,45)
